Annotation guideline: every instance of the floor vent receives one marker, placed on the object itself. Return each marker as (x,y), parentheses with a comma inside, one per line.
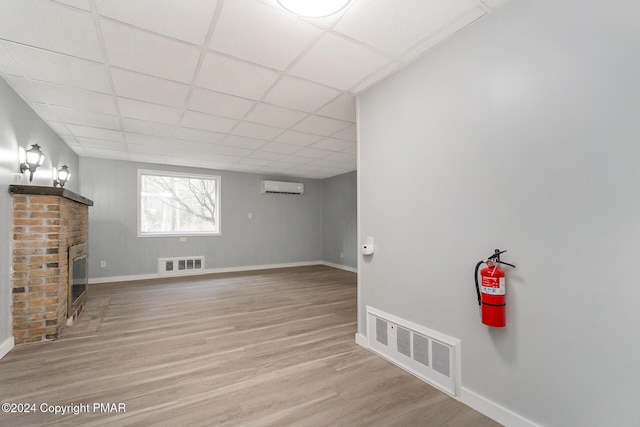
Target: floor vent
(429,355)
(180,265)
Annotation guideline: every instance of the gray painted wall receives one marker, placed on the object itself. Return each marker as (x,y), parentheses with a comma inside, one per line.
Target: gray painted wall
(339,220)
(284,228)
(521,132)
(21,127)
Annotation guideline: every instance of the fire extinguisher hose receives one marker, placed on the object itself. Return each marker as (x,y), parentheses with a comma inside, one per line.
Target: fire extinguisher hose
(475,276)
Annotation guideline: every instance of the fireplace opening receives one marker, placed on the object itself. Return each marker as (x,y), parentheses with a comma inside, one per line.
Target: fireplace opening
(78,280)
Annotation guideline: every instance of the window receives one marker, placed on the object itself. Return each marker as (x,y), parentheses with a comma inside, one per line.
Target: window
(178,204)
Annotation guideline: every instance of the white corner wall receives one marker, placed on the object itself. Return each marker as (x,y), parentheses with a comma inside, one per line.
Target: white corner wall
(521,132)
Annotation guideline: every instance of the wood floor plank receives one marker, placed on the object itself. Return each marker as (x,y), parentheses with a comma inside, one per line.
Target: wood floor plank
(265,348)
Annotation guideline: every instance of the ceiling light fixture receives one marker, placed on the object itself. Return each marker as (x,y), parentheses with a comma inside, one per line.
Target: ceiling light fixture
(33,158)
(313,8)
(62,177)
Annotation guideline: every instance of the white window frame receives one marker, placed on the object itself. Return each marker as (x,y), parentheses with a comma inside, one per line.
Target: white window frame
(216,178)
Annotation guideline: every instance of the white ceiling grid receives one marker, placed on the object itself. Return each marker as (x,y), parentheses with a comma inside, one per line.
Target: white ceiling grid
(228,84)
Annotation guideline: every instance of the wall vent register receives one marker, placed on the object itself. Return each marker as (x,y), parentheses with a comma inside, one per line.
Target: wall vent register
(429,355)
(180,265)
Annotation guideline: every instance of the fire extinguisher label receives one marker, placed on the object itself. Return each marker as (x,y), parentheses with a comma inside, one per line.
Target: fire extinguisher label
(493,285)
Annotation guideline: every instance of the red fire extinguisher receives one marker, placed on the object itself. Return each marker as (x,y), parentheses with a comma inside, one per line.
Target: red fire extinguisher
(491,290)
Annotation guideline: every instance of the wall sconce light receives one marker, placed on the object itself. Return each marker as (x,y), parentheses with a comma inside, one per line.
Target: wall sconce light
(34,158)
(63,176)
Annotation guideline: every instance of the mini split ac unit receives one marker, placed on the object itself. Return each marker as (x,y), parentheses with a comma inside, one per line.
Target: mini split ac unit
(282,187)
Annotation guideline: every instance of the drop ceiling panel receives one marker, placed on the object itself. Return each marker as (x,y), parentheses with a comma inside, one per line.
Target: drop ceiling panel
(148,111)
(395,27)
(273,115)
(235,77)
(341,108)
(338,62)
(299,94)
(170,18)
(244,142)
(193,119)
(297,138)
(173,82)
(321,125)
(38,64)
(148,53)
(149,128)
(87,118)
(96,133)
(221,104)
(149,89)
(258,33)
(38,23)
(76,98)
(255,130)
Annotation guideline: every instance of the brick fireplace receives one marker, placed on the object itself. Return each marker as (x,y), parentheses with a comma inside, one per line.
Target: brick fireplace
(46,223)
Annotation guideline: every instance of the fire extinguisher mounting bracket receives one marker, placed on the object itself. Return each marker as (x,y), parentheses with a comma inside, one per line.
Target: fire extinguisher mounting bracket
(491,298)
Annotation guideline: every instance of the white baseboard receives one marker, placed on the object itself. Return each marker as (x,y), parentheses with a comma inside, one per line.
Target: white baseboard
(112,279)
(492,410)
(361,340)
(6,347)
(341,267)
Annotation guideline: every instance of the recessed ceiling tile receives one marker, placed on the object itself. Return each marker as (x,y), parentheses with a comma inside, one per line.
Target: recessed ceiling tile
(235,77)
(395,27)
(333,144)
(59,128)
(325,21)
(299,94)
(79,4)
(79,99)
(348,134)
(297,160)
(24,88)
(338,62)
(455,19)
(38,64)
(39,23)
(146,111)
(150,89)
(376,76)
(243,142)
(351,150)
(180,146)
(254,162)
(138,140)
(321,125)
(218,103)
(342,157)
(199,135)
(341,108)
(193,119)
(254,130)
(149,53)
(265,35)
(8,65)
(43,111)
(149,128)
(106,154)
(278,147)
(86,118)
(232,151)
(188,21)
(275,116)
(97,133)
(313,153)
(297,138)
(264,155)
(102,143)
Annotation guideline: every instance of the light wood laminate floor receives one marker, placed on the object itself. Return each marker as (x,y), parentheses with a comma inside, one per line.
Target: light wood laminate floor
(272,347)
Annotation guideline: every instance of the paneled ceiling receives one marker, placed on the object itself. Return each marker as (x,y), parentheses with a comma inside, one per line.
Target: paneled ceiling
(224,84)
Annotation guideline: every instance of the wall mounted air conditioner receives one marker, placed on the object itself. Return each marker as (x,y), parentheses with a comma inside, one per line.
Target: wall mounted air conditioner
(281,187)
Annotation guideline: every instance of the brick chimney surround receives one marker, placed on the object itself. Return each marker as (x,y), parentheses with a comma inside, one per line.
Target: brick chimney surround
(46,222)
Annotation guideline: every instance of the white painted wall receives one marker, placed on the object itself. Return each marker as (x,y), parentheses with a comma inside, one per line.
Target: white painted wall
(522,132)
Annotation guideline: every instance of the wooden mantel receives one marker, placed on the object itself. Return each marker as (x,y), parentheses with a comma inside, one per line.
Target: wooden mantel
(36,190)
